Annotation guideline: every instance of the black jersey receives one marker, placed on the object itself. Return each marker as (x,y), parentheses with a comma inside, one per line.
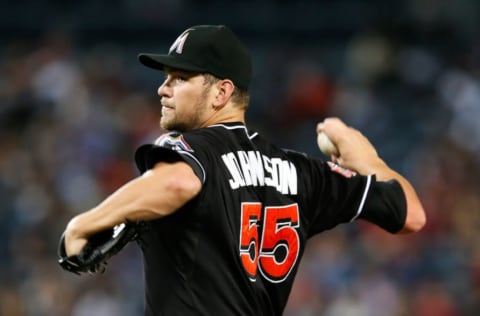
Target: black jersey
(236,247)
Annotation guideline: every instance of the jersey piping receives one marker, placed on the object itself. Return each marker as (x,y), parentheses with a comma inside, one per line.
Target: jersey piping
(196,161)
(235,127)
(364,197)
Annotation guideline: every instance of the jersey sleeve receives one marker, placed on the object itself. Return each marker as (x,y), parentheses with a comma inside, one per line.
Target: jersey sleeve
(386,206)
(171,147)
(342,196)
(335,195)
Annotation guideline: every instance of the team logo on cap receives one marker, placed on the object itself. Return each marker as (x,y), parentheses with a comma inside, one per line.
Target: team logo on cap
(177,46)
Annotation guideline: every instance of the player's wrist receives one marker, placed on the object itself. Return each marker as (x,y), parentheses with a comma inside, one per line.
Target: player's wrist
(382,171)
(375,166)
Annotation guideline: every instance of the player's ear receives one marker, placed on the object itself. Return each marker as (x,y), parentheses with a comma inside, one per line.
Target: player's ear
(223,92)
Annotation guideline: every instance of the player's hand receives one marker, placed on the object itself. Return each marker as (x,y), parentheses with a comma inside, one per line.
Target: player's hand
(73,242)
(355,152)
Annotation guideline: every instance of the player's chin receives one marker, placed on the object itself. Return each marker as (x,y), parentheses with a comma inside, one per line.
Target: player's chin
(172,125)
(166,123)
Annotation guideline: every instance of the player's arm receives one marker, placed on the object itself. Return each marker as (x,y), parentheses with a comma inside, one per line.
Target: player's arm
(358,154)
(158,192)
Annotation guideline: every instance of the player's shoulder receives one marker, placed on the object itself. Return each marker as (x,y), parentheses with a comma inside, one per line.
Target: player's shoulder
(170,138)
(221,133)
(173,140)
(302,160)
(201,138)
(296,154)
(230,129)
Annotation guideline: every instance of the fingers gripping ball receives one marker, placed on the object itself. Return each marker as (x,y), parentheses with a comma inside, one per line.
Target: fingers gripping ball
(326,145)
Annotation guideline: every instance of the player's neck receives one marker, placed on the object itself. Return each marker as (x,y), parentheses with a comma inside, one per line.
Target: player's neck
(226,117)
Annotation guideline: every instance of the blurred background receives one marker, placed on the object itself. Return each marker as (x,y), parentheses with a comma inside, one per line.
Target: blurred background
(75,104)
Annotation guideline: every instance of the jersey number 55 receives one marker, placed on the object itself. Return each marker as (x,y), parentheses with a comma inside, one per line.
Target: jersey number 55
(276,252)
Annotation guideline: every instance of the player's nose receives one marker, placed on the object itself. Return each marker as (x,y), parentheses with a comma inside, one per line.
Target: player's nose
(164,90)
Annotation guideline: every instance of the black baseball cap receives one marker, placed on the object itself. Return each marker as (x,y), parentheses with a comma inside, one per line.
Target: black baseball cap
(213,49)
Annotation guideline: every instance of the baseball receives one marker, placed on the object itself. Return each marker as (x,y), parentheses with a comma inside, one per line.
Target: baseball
(326,145)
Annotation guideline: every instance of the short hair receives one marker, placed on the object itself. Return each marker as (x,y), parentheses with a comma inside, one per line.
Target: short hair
(240,97)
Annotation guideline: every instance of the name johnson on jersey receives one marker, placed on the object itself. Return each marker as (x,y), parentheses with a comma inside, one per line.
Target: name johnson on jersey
(251,168)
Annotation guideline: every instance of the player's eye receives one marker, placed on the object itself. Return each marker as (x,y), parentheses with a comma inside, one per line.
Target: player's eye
(174,79)
(181,78)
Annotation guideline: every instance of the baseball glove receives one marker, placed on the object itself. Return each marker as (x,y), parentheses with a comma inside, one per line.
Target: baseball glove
(99,248)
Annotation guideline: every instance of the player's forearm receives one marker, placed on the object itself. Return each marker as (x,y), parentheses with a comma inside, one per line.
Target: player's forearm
(358,154)
(155,194)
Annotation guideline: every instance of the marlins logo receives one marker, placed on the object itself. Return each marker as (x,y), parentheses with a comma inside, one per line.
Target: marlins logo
(343,171)
(177,46)
(174,141)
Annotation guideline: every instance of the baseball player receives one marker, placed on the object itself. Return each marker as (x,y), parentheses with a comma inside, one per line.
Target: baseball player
(228,213)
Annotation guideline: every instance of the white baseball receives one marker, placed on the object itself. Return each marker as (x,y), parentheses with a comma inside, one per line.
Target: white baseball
(326,145)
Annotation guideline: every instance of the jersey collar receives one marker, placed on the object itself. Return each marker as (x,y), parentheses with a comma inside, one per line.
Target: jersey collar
(236,125)
(229,125)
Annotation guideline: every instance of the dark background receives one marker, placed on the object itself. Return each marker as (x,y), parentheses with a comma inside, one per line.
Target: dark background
(75,103)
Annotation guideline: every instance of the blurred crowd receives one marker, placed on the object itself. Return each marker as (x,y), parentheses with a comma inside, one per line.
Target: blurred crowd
(71,117)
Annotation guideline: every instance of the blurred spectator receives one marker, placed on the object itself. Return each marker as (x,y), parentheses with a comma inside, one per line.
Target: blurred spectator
(74,106)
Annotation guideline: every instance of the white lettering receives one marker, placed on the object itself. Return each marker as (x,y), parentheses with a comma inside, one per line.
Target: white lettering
(268,169)
(276,162)
(256,167)
(232,165)
(245,164)
(253,169)
(289,177)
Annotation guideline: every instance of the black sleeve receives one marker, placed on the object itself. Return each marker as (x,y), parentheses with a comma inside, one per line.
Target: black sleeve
(332,194)
(385,206)
(146,156)
(169,147)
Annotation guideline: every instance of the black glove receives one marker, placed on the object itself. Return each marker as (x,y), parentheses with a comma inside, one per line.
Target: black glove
(99,248)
